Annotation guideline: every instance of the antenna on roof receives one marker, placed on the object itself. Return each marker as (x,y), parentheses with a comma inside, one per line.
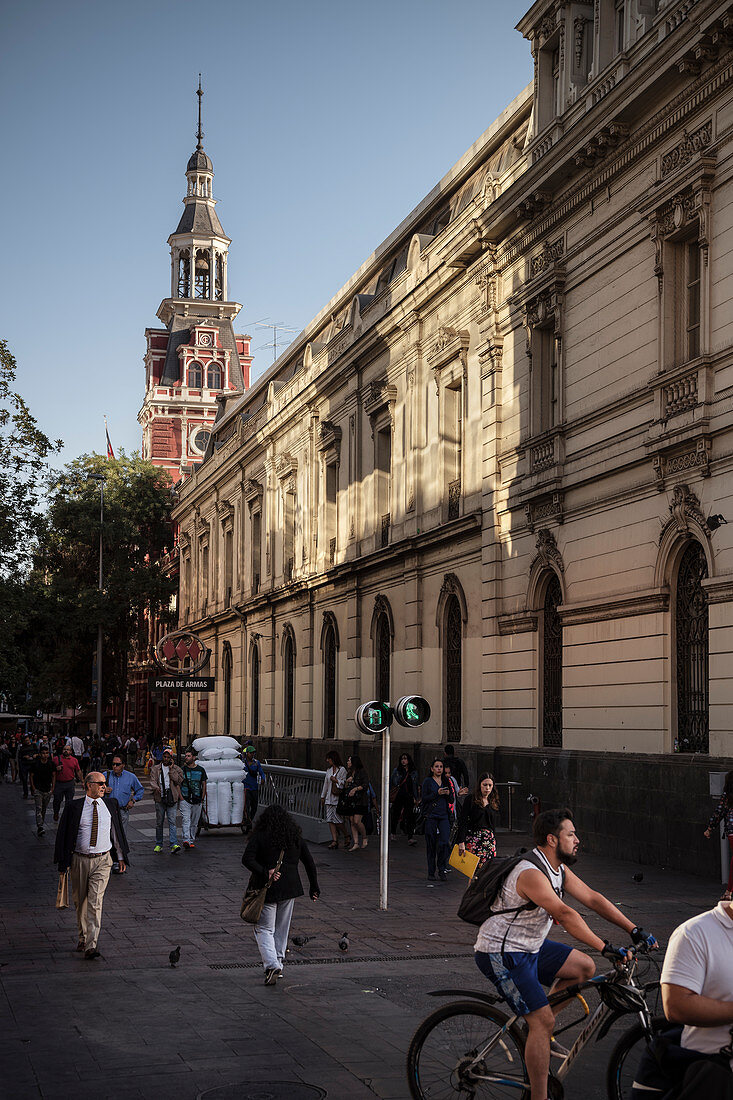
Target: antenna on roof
(199,132)
(276,327)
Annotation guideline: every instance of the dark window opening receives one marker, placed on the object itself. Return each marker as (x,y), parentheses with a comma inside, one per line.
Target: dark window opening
(552,666)
(692,637)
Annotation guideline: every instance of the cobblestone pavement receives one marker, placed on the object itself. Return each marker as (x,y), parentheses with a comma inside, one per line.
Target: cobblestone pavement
(130,1026)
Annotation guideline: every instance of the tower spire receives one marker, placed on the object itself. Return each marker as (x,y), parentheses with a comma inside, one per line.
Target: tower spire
(199,132)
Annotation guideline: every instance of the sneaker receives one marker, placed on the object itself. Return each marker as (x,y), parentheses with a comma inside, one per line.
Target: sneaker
(442,875)
(40,830)
(186,845)
(192,845)
(271,975)
(175,849)
(432,878)
(158,848)
(557,1050)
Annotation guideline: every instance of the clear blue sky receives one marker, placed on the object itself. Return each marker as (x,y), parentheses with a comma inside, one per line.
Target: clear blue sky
(327,122)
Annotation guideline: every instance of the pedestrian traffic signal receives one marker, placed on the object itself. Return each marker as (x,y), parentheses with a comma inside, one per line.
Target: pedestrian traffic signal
(373,717)
(412,710)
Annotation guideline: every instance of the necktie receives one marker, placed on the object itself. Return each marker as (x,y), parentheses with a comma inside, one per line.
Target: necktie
(95,826)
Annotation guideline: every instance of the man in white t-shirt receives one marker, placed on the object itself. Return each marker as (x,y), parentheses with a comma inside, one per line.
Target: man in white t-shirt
(697,986)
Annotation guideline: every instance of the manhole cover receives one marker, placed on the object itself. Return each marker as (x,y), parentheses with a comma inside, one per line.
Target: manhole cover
(264,1090)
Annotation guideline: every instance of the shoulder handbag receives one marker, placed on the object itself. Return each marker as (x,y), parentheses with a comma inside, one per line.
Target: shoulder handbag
(253,901)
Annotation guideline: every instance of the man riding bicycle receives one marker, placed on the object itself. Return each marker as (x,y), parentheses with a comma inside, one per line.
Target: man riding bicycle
(512,948)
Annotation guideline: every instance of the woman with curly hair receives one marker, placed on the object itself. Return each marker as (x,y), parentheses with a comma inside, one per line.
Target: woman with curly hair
(276,832)
(724,812)
(476,820)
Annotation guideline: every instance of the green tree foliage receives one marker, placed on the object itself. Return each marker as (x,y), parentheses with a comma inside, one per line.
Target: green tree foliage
(24,450)
(24,454)
(136,532)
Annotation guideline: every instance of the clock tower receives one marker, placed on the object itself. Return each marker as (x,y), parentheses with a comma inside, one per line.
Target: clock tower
(197,359)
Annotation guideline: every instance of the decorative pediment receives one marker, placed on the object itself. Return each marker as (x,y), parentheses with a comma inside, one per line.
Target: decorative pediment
(225,508)
(545,308)
(450,343)
(380,395)
(285,466)
(682,210)
(184,540)
(253,491)
(329,439)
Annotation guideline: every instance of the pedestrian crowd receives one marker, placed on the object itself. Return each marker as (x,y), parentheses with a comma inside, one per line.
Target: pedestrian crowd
(456,817)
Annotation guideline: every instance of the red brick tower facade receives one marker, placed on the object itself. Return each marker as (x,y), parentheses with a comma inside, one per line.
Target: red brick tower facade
(197,357)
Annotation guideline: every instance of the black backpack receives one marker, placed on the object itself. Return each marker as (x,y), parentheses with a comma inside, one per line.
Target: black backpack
(486,885)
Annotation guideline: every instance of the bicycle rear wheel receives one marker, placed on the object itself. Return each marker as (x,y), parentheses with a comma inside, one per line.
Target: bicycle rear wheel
(625,1061)
(443,1062)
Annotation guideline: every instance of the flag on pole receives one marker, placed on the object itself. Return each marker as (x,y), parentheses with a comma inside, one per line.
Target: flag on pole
(110,452)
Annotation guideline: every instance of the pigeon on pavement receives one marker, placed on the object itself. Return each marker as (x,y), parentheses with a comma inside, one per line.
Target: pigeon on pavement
(344,942)
(174,956)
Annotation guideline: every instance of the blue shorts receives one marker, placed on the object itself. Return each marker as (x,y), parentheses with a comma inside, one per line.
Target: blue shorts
(520,975)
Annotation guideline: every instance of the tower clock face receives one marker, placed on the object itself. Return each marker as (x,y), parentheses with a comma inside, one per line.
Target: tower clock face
(198,440)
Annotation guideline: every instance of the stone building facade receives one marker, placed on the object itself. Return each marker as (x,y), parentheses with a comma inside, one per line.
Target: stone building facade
(495,469)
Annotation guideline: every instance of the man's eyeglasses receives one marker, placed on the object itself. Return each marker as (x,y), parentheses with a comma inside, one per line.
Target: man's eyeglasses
(116,763)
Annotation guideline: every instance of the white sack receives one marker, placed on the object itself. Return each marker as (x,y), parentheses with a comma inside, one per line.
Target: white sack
(212,803)
(215,768)
(224,791)
(215,752)
(226,777)
(202,743)
(237,803)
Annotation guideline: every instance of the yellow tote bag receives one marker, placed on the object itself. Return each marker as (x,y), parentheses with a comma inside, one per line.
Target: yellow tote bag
(466,863)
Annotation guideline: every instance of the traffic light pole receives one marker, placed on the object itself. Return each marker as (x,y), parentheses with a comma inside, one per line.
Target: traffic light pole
(376,717)
(384,833)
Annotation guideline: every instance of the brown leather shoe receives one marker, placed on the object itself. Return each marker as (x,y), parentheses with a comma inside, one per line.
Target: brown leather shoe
(92,953)
(81,946)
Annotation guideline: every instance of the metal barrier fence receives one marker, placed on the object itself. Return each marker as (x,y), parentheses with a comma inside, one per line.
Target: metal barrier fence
(297,790)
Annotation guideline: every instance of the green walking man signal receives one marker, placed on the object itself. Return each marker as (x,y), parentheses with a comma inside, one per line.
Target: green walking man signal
(374,717)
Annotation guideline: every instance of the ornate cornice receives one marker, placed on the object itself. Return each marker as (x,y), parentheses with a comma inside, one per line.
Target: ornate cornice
(649,602)
(685,149)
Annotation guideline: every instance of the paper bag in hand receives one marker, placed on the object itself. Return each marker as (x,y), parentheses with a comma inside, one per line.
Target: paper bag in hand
(62,893)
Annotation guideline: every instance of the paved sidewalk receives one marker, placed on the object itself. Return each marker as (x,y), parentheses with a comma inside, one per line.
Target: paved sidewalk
(130,1026)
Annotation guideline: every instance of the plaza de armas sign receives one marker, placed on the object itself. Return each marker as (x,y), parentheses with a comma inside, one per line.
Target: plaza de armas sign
(181,656)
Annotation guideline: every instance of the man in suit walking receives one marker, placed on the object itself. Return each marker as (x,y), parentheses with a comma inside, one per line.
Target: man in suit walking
(89,838)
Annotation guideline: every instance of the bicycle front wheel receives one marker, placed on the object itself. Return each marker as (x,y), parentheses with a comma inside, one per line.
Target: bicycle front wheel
(626,1059)
(465,1049)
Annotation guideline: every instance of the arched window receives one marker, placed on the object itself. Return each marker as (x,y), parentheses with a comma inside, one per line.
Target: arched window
(289,686)
(213,376)
(692,645)
(255,670)
(195,375)
(452,656)
(184,274)
(383,647)
(552,665)
(227,669)
(329,682)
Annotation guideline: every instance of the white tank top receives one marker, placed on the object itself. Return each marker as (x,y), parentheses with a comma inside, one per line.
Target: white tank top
(525,931)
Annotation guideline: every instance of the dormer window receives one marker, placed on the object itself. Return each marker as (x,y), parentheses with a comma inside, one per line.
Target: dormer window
(213,377)
(195,375)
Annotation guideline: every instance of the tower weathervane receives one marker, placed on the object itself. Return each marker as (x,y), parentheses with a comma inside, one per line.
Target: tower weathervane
(199,132)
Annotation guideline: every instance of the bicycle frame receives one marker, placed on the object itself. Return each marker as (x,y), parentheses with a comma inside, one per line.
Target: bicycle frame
(596,1021)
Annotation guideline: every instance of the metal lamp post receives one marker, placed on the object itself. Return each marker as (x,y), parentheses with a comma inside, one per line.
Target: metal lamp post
(100,479)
